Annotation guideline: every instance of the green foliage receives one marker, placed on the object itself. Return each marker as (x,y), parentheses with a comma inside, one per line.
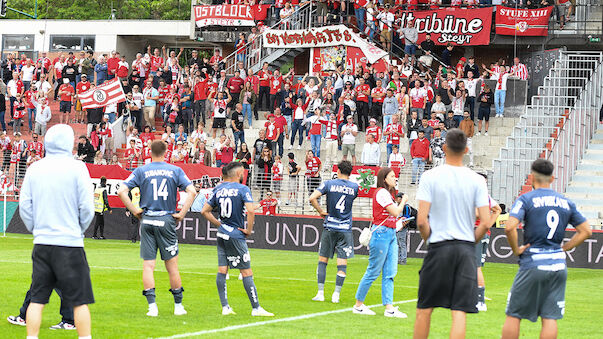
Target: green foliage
(101,9)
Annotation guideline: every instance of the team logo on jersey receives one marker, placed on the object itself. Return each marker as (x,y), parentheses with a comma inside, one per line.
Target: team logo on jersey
(234,261)
(173,249)
(348,251)
(366,179)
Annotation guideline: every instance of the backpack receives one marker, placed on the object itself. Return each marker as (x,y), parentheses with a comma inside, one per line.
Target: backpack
(410,211)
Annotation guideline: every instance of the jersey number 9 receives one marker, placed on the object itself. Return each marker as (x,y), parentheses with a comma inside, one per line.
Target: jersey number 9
(552,220)
(161,190)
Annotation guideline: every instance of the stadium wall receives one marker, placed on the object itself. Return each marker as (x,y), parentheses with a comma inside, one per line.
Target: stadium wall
(302,233)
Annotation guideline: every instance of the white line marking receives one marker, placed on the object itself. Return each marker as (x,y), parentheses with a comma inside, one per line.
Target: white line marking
(269,322)
(203,273)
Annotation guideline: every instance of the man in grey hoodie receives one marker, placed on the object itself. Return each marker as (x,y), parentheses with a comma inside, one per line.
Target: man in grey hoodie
(56,205)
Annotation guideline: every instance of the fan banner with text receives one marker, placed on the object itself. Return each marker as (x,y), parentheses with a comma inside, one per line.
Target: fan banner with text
(523,22)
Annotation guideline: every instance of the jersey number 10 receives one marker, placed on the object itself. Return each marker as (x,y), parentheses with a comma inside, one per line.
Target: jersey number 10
(225,207)
(161,190)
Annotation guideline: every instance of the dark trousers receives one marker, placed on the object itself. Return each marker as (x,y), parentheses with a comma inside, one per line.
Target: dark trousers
(12,105)
(134,228)
(376,111)
(264,93)
(362,109)
(99,224)
(296,126)
(199,110)
(138,115)
(65,310)
(470,103)
(280,141)
(187,120)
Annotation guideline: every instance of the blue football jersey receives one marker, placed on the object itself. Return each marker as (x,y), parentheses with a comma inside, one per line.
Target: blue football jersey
(545,215)
(340,195)
(230,199)
(159,183)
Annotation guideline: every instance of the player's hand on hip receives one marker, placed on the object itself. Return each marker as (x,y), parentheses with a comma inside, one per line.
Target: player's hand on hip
(521,249)
(178,216)
(138,213)
(245,231)
(323,214)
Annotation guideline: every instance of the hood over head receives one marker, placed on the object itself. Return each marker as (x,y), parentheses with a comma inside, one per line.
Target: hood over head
(59,140)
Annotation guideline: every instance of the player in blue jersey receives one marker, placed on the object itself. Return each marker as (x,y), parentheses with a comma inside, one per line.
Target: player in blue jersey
(159,183)
(337,234)
(232,199)
(539,286)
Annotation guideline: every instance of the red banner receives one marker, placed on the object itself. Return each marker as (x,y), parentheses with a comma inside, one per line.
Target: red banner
(229,15)
(366,178)
(458,26)
(208,177)
(523,22)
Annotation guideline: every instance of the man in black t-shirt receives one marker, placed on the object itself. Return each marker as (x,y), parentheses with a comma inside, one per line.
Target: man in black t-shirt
(237,126)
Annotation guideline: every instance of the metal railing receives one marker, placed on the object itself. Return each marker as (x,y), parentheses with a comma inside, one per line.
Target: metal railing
(556,126)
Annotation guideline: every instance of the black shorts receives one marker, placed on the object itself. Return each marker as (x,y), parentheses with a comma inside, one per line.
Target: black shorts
(536,293)
(65,106)
(64,268)
(448,277)
(483,113)
(219,123)
(233,252)
(334,241)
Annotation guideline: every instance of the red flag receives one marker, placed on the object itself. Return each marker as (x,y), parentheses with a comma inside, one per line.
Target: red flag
(523,22)
(260,12)
(110,92)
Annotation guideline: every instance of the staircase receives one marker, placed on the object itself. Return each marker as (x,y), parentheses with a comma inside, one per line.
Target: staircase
(584,188)
(557,125)
(256,54)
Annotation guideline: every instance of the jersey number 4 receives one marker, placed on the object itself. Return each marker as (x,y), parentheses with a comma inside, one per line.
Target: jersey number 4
(340,205)
(161,190)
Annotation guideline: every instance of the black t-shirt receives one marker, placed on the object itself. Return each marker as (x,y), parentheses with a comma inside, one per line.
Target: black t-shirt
(69,72)
(238,120)
(259,146)
(428,46)
(292,167)
(443,92)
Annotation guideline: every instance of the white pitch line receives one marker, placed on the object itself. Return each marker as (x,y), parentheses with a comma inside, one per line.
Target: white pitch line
(203,273)
(275,321)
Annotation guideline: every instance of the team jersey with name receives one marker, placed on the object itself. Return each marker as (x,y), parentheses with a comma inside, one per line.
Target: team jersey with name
(340,197)
(230,199)
(159,183)
(545,215)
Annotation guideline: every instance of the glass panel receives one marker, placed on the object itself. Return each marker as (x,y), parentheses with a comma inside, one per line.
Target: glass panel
(89,43)
(18,42)
(61,43)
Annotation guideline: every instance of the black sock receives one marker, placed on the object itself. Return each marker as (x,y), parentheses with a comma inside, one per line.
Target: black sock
(177,295)
(252,292)
(340,277)
(481,294)
(221,283)
(150,294)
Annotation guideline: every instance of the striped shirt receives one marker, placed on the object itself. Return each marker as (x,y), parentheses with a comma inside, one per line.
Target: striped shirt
(521,71)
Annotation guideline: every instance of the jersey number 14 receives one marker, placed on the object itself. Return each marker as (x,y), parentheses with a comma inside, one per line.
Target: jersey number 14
(161,190)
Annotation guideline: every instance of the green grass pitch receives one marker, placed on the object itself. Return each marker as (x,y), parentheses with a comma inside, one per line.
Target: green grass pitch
(285,282)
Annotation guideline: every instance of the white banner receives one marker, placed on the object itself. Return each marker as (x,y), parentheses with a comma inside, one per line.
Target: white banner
(321,37)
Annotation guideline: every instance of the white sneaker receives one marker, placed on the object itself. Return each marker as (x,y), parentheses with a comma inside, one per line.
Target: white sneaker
(227,310)
(486,134)
(482,307)
(395,313)
(179,309)
(298,147)
(240,276)
(290,146)
(335,298)
(477,134)
(320,296)
(363,309)
(260,312)
(227,276)
(153,310)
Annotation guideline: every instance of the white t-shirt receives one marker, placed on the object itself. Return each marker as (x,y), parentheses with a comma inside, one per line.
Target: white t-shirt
(138,98)
(348,138)
(310,90)
(44,87)
(471,86)
(501,83)
(454,193)
(28,72)
(11,88)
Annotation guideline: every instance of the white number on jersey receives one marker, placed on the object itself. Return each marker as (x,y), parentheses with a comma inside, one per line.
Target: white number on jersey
(340,205)
(225,207)
(552,220)
(161,190)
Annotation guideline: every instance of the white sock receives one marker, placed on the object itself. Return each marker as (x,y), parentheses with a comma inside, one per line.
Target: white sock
(31,337)
(177,304)
(86,337)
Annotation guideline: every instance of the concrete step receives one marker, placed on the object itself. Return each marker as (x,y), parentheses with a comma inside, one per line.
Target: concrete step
(590,167)
(593,180)
(591,208)
(588,173)
(595,147)
(577,189)
(593,151)
(594,195)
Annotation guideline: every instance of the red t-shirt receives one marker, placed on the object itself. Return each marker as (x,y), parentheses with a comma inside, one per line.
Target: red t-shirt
(200,90)
(144,137)
(215,59)
(235,85)
(378,90)
(267,208)
(112,64)
(360,89)
(122,70)
(82,87)
(261,74)
(381,200)
(281,122)
(374,131)
(275,84)
(163,92)
(156,62)
(313,166)
(420,148)
(68,92)
(227,154)
(255,81)
(38,146)
(28,95)
(272,130)
(433,123)
(393,138)
(360,3)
